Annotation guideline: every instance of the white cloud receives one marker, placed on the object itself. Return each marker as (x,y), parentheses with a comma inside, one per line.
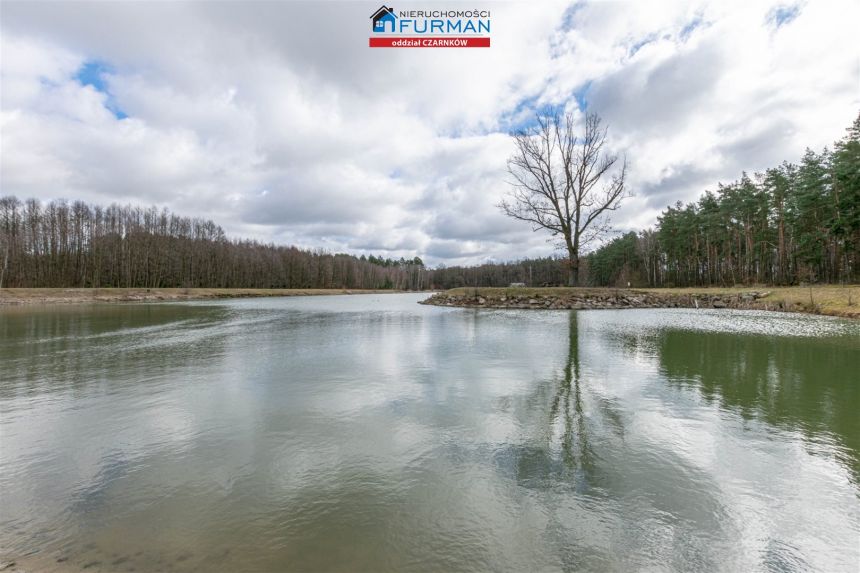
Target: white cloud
(299,133)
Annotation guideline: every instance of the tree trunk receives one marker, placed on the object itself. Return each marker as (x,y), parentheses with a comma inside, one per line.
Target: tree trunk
(5,264)
(573,271)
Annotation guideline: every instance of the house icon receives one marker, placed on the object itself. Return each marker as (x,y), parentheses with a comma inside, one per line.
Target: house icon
(383,16)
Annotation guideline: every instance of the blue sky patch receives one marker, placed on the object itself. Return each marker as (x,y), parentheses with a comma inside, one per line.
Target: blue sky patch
(581,95)
(640,44)
(525,114)
(567,19)
(93,73)
(782,15)
(690,27)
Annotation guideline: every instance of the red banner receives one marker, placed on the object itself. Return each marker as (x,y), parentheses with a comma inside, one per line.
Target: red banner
(444,42)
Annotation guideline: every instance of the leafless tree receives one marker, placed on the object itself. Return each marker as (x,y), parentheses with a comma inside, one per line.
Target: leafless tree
(4,245)
(62,244)
(565,182)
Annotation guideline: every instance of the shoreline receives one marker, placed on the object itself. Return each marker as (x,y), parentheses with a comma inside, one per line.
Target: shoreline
(839,301)
(46,296)
(830,300)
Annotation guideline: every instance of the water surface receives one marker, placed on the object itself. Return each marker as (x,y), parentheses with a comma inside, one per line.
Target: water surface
(369,433)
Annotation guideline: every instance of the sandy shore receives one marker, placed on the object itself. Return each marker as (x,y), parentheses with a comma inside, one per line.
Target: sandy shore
(22,296)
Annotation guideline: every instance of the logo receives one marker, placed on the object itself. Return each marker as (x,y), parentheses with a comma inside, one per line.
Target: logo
(429,28)
(382,17)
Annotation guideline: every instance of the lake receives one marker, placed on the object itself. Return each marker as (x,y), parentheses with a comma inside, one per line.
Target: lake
(370,433)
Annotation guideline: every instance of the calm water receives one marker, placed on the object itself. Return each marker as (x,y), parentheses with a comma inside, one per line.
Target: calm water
(369,433)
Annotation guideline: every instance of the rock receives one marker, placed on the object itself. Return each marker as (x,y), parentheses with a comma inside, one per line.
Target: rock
(481,300)
(719,304)
(533,301)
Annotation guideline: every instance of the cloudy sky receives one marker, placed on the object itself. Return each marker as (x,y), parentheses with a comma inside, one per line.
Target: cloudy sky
(276,120)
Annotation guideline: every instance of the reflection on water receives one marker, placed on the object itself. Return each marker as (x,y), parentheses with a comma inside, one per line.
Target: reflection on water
(806,385)
(371,433)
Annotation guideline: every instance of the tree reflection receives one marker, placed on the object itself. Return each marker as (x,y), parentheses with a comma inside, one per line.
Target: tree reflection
(567,408)
(568,420)
(796,383)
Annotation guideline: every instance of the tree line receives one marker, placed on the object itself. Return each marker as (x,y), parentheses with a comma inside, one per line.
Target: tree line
(549,271)
(63,244)
(790,224)
(66,244)
(73,244)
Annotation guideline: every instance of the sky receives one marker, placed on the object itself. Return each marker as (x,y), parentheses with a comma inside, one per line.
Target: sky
(277,121)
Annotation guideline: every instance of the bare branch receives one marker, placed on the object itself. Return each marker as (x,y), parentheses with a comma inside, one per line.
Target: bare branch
(556,180)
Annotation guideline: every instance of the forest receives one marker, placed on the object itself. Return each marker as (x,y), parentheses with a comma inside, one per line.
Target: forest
(62,244)
(792,224)
(795,223)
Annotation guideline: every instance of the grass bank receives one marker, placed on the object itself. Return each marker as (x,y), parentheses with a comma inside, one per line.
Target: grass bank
(832,300)
(17,296)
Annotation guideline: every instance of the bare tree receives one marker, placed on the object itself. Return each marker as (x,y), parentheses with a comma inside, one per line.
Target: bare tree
(5,244)
(62,244)
(565,183)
